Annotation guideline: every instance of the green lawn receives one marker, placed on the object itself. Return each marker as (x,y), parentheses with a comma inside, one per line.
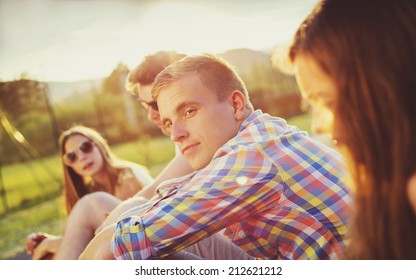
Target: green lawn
(302,121)
(49,216)
(23,189)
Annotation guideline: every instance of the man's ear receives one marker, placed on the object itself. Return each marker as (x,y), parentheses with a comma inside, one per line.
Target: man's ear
(238,102)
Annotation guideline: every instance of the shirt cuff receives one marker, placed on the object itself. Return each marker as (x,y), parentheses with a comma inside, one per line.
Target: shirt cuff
(130,241)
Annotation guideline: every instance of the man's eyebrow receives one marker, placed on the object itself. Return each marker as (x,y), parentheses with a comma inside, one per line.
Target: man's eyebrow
(180,107)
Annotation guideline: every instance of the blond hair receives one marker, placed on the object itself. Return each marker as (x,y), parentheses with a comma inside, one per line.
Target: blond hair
(214,73)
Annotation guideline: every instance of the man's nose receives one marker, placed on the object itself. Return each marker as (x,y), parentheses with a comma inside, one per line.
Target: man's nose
(178,132)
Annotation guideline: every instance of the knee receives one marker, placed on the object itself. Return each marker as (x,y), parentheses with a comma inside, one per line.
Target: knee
(88,203)
(96,199)
(92,208)
(96,196)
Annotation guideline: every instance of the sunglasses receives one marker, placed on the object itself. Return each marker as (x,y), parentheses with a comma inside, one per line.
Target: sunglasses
(134,91)
(146,105)
(71,157)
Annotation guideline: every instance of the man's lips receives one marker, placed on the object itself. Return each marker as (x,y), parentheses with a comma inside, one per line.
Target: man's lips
(186,148)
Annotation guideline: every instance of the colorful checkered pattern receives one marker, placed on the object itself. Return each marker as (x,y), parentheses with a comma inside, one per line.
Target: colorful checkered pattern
(278,193)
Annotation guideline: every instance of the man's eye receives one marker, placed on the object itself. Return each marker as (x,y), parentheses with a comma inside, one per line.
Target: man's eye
(189,112)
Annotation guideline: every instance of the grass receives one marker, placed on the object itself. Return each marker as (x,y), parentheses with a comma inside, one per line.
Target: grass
(47,216)
(302,121)
(27,183)
(30,181)
(24,193)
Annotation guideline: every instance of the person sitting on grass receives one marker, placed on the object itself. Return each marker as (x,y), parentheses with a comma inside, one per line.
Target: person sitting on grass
(89,166)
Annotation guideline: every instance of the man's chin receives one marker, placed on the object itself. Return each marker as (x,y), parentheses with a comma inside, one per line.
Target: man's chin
(197,165)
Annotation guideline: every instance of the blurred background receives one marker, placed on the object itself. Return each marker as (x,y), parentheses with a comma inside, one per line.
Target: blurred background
(64,62)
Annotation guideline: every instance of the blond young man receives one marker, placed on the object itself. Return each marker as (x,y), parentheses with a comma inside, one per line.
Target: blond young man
(277,193)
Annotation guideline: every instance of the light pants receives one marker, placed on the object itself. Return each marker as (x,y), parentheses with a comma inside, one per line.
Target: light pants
(215,247)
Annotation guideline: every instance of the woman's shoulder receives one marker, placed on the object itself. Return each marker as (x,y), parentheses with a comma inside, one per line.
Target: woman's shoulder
(133,170)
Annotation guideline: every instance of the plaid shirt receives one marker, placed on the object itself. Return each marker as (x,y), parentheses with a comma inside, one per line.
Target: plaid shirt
(278,193)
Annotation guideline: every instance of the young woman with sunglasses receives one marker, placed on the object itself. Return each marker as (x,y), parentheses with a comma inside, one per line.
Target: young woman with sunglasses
(89,166)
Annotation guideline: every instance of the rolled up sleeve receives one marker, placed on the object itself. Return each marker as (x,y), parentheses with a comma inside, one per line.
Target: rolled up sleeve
(130,241)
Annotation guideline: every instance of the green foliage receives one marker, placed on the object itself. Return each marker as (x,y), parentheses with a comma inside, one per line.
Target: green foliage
(79,108)
(21,96)
(102,111)
(262,78)
(37,131)
(272,91)
(114,83)
(303,122)
(147,151)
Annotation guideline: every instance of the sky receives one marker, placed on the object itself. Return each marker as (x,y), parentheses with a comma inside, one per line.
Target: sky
(71,40)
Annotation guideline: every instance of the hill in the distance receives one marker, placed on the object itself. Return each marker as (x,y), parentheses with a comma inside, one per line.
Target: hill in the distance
(242,60)
(60,91)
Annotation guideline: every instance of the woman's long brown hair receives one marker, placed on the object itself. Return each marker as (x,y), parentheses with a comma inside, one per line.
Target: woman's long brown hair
(368,47)
(75,186)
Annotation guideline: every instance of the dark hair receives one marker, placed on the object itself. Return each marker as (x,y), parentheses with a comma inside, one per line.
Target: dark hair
(368,47)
